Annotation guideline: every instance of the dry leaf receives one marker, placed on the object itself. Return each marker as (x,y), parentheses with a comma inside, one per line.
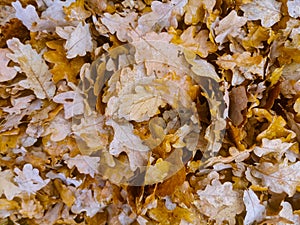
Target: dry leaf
(126,141)
(294,8)
(29,180)
(220,202)
(255,210)
(284,178)
(6,73)
(79,40)
(238,103)
(39,78)
(84,164)
(7,187)
(267,11)
(163,15)
(229,26)
(72,101)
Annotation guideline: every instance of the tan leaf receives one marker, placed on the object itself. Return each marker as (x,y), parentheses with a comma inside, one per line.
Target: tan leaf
(267,11)
(6,73)
(39,78)
(220,202)
(229,26)
(79,40)
(84,164)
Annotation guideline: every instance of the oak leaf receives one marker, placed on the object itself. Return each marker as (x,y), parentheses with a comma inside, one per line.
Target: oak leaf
(63,68)
(220,202)
(284,178)
(293,8)
(7,187)
(85,164)
(6,73)
(78,39)
(255,210)
(163,15)
(267,11)
(39,78)
(29,180)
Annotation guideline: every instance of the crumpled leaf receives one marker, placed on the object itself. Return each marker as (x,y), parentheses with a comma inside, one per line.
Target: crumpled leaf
(294,8)
(163,15)
(229,26)
(275,146)
(76,11)
(267,11)
(297,106)
(39,78)
(85,164)
(6,73)
(255,210)
(79,40)
(7,187)
(126,141)
(284,178)
(29,180)
(220,202)
(194,10)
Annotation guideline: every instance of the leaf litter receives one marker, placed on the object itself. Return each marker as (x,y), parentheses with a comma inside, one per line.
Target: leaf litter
(103,122)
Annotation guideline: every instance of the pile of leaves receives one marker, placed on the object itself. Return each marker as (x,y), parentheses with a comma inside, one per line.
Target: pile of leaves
(149,112)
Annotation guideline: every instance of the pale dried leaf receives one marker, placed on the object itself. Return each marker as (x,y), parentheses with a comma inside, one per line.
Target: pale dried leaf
(294,8)
(287,213)
(85,164)
(286,178)
(72,101)
(29,180)
(255,210)
(6,73)
(39,78)
(7,187)
(163,15)
(220,202)
(268,11)
(79,40)
(229,26)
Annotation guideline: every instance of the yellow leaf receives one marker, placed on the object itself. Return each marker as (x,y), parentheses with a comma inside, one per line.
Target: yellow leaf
(63,68)
(275,76)
(67,196)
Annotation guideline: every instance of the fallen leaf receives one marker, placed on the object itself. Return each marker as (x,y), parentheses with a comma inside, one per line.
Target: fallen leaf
(255,210)
(6,73)
(229,26)
(267,11)
(39,78)
(29,180)
(7,187)
(79,40)
(220,202)
(294,8)
(238,103)
(284,178)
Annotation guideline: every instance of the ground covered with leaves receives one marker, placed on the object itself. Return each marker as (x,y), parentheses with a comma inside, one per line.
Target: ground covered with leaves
(149,112)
